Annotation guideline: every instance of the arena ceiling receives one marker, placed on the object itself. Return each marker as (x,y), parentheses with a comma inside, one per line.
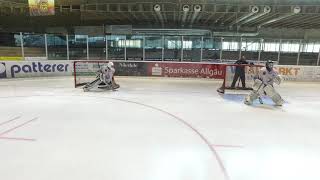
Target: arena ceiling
(216,15)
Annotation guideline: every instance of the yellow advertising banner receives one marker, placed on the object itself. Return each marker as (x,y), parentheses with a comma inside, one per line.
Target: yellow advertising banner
(10,58)
(41,7)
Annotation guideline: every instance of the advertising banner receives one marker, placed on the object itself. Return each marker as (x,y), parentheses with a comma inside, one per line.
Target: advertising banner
(10,58)
(13,69)
(35,58)
(130,68)
(299,73)
(194,70)
(41,7)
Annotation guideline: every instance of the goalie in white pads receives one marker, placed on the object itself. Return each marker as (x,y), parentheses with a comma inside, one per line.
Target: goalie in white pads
(105,78)
(263,85)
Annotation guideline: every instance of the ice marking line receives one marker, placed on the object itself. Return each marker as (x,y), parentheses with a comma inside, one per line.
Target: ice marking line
(16,127)
(13,119)
(212,149)
(17,139)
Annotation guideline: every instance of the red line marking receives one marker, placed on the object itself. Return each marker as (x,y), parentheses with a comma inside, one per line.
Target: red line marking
(227,146)
(6,122)
(213,150)
(7,131)
(17,139)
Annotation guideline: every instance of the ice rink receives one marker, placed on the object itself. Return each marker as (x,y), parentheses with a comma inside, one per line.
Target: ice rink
(155,129)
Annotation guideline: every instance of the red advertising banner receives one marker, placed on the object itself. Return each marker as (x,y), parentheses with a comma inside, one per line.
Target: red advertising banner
(185,70)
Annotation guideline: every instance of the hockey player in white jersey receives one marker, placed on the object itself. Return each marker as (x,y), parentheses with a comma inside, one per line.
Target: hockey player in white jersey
(263,85)
(105,78)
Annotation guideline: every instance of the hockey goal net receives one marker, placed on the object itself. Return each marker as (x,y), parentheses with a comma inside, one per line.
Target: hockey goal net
(238,77)
(86,71)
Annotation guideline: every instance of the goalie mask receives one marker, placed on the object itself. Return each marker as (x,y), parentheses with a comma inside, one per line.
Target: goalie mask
(269,65)
(104,68)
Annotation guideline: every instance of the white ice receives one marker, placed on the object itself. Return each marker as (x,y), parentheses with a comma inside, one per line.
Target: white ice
(155,129)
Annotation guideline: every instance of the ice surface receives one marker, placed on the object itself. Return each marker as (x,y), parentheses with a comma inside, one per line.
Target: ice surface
(155,129)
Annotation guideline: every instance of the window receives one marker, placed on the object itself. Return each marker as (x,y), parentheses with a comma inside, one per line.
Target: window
(80,38)
(316,47)
(311,47)
(271,47)
(290,47)
(174,44)
(187,45)
(251,46)
(230,46)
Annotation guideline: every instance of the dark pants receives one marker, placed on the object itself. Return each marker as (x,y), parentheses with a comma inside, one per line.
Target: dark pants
(236,77)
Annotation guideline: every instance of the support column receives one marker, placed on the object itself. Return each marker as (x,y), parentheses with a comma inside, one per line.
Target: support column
(87,47)
(68,54)
(260,48)
(279,51)
(298,58)
(240,52)
(22,46)
(46,45)
(318,58)
(144,50)
(201,50)
(221,49)
(125,48)
(162,54)
(181,58)
(106,47)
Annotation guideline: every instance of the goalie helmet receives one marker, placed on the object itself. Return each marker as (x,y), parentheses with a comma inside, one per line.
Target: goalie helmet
(110,65)
(269,65)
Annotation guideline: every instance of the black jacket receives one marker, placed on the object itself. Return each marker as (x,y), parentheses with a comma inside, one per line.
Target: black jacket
(240,69)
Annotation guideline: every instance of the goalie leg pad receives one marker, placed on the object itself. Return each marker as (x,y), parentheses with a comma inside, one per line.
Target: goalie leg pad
(257,85)
(251,97)
(274,95)
(102,78)
(91,85)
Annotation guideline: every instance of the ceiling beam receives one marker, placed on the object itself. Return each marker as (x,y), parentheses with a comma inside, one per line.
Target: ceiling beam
(261,20)
(291,20)
(209,18)
(275,20)
(254,10)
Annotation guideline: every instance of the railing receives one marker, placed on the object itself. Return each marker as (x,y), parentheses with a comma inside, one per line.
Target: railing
(158,48)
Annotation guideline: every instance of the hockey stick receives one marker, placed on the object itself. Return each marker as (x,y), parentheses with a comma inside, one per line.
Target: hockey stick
(260,100)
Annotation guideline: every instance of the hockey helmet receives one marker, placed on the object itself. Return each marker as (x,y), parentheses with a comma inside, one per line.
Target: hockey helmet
(269,64)
(104,68)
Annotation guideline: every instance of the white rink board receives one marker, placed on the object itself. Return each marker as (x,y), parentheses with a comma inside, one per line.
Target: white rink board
(13,69)
(299,73)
